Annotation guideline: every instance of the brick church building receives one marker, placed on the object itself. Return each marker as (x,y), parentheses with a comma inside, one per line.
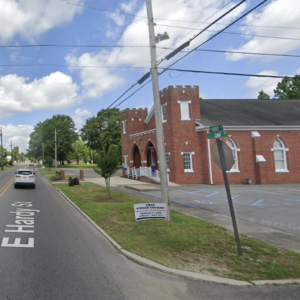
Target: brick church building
(264,136)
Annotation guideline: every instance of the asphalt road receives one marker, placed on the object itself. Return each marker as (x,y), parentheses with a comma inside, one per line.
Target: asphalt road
(64,257)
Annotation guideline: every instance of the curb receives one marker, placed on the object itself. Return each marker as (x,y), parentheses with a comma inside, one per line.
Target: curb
(179,273)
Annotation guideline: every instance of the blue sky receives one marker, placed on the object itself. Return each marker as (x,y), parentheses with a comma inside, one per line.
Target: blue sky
(38,82)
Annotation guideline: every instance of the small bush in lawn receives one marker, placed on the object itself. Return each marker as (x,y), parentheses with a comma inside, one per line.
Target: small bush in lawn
(55,177)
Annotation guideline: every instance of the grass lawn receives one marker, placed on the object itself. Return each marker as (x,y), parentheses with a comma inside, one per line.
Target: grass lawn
(46,171)
(6,167)
(186,243)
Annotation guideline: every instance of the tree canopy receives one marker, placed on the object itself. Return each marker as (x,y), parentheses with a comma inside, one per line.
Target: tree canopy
(288,88)
(102,131)
(263,96)
(43,135)
(79,150)
(107,164)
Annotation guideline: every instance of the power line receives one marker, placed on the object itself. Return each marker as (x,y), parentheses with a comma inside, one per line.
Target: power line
(182,21)
(248,53)
(237,33)
(201,22)
(123,67)
(140,81)
(67,66)
(165,69)
(227,73)
(208,72)
(72,46)
(133,93)
(184,45)
(218,33)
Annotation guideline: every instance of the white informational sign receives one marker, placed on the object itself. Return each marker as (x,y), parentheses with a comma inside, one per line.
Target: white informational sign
(148,211)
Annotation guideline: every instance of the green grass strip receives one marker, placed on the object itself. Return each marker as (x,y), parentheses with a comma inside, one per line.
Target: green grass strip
(186,243)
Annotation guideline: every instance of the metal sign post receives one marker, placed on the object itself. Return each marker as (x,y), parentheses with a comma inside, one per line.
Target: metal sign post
(235,228)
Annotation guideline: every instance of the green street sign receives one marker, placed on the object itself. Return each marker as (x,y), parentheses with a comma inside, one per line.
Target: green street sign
(216,135)
(216,128)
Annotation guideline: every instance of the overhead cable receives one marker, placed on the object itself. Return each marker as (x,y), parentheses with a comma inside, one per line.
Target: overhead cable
(226,73)
(261,3)
(196,35)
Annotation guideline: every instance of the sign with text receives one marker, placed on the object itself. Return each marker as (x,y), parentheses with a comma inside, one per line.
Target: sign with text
(216,128)
(216,135)
(148,211)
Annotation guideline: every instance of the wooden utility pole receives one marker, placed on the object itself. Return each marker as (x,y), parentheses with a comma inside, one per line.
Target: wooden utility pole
(1,151)
(157,112)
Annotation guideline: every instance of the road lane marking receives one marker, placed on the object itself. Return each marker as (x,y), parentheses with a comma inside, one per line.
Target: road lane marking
(3,190)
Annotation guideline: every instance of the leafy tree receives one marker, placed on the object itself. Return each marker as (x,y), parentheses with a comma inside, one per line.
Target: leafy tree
(288,88)
(48,161)
(15,153)
(102,131)
(263,96)
(44,133)
(79,150)
(107,163)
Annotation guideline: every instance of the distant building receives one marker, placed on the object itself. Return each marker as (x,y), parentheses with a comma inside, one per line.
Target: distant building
(264,136)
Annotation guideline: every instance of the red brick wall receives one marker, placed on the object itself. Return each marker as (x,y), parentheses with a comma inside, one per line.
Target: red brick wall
(181,136)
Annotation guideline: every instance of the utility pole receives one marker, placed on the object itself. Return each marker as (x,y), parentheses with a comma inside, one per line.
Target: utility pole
(43,152)
(55,147)
(55,159)
(11,154)
(157,112)
(1,151)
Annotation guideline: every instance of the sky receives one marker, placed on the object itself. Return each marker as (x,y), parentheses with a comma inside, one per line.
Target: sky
(76,57)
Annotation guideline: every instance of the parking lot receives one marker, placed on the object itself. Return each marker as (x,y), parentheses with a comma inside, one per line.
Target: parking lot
(275,206)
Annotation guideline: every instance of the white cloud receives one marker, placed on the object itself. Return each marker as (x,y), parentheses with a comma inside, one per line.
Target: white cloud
(128,7)
(17,135)
(31,18)
(96,81)
(281,13)
(257,84)
(56,91)
(80,116)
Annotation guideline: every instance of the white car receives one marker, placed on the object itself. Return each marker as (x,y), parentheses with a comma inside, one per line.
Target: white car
(24,178)
(28,168)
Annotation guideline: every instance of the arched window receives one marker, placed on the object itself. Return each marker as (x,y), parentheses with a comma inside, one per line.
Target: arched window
(235,150)
(279,151)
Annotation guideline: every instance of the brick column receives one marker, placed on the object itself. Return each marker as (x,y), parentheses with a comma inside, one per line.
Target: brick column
(81,175)
(62,174)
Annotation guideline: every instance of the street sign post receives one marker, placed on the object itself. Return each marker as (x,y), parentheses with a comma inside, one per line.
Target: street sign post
(216,135)
(228,155)
(216,132)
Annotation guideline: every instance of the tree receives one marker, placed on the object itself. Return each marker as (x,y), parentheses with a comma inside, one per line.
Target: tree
(263,96)
(102,131)
(107,163)
(15,153)
(79,150)
(288,88)
(48,161)
(43,133)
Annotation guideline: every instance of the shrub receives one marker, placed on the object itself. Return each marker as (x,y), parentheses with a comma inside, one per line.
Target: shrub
(55,177)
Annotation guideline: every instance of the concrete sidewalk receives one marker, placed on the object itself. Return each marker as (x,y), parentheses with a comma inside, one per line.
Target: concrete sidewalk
(269,235)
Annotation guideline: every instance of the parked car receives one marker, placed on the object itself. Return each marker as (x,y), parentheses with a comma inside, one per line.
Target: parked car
(24,177)
(31,164)
(28,168)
